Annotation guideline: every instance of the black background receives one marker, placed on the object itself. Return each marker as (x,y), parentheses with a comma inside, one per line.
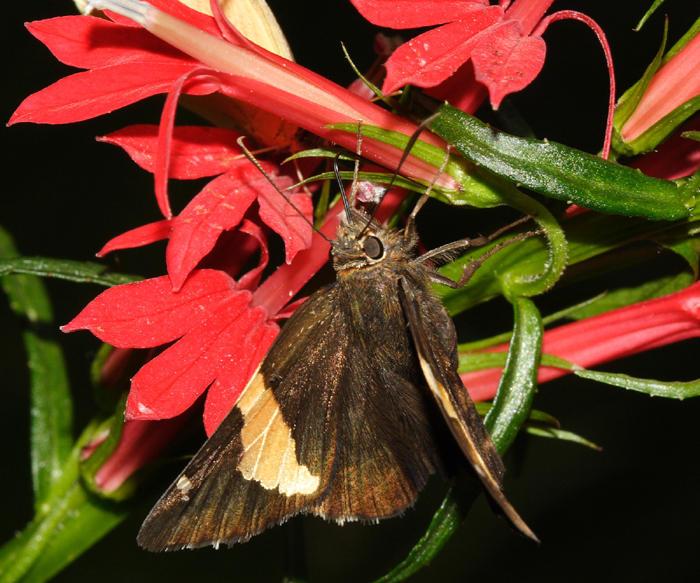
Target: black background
(627,513)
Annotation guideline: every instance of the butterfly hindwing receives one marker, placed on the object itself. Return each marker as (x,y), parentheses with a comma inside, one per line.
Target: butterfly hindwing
(435,345)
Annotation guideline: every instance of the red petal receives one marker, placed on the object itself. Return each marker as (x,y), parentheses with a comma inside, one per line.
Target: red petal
(430,58)
(218,207)
(196,151)
(138,237)
(251,278)
(283,218)
(171,382)
(414,13)
(90,43)
(91,93)
(505,61)
(235,372)
(148,313)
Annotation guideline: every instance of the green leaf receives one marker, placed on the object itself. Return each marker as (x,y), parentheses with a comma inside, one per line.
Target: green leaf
(76,271)
(669,389)
(561,172)
(51,412)
(51,409)
(509,411)
(561,434)
(27,295)
(504,337)
(516,390)
(688,249)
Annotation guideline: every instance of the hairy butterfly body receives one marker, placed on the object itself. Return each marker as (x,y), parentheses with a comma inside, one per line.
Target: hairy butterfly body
(340,419)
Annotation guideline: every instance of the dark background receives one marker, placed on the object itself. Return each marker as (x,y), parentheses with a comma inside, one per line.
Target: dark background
(629,512)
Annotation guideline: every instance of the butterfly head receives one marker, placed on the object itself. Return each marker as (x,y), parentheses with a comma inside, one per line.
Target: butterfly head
(363,243)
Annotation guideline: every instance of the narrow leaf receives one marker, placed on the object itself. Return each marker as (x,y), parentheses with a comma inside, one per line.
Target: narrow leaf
(562,172)
(561,434)
(76,271)
(51,412)
(519,381)
(669,389)
(26,294)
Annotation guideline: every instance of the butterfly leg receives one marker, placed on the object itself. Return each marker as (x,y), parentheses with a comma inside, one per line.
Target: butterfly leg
(445,252)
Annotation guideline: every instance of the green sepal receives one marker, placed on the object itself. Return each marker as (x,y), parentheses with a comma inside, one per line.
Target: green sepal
(560,434)
(648,14)
(629,100)
(561,172)
(657,133)
(476,188)
(111,429)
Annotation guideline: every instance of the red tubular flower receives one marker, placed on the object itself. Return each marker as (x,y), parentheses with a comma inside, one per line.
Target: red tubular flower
(676,82)
(126,63)
(140,443)
(607,337)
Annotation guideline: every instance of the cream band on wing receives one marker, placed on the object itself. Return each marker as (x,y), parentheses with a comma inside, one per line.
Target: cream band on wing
(269,450)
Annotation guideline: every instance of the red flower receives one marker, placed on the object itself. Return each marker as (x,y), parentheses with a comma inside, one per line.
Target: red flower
(609,336)
(502,43)
(219,332)
(197,152)
(127,63)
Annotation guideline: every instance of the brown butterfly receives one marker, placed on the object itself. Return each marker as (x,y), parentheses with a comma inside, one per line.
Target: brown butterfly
(345,418)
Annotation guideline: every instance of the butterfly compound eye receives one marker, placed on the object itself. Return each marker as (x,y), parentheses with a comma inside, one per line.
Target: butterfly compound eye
(373,247)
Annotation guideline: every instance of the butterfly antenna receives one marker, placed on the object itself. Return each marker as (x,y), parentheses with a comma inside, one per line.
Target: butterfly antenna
(426,195)
(343,195)
(404,156)
(248,154)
